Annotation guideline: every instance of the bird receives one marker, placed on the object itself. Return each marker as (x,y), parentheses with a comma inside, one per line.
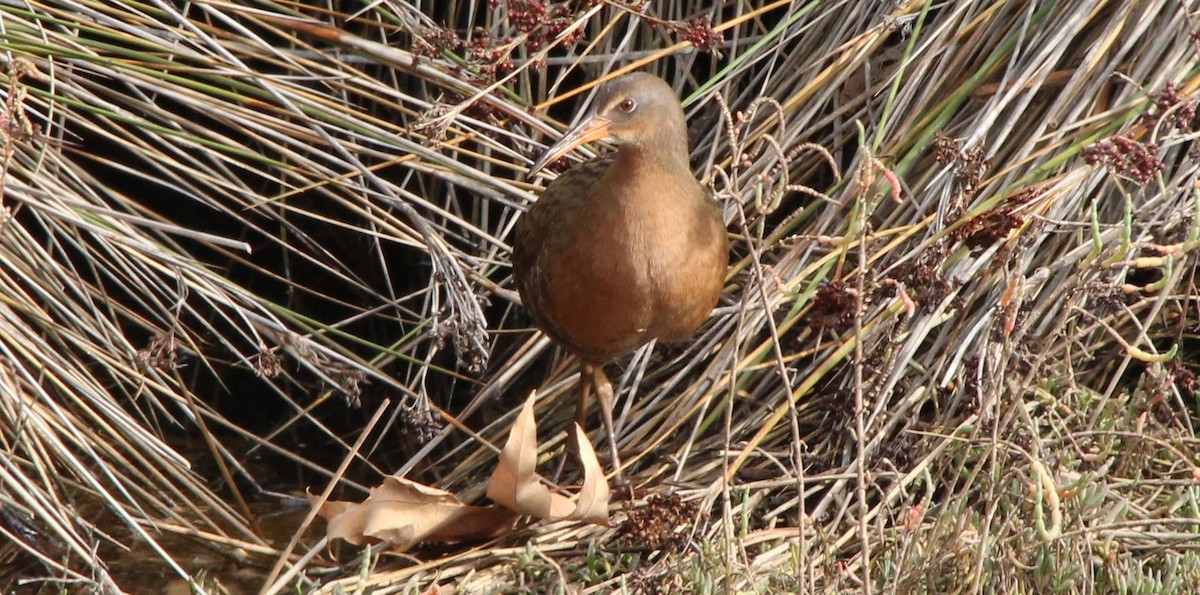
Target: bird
(625,248)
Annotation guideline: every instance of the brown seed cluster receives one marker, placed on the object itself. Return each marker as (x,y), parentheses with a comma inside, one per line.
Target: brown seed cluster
(543,21)
(925,277)
(698,31)
(1170,111)
(995,225)
(162,353)
(538,23)
(660,524)
(1185,380)
(419,421)
(945,148)
(988,228)
(898,452)
(1131,159)
(267,364)
(1106,298)
(338,375)
(432,42)
(346,380)
(970,164)
(1139,161)
(526,15)
(15,125)
(833,307)
(489,55)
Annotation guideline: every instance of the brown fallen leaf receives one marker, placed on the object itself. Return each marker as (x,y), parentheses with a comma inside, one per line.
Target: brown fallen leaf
(515,483)
(591,505)
(401,513)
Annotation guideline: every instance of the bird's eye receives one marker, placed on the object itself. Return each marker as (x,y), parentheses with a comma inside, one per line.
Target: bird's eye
(627,105)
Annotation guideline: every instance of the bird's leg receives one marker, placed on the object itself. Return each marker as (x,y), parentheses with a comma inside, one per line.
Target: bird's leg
(604,397)
(586,387)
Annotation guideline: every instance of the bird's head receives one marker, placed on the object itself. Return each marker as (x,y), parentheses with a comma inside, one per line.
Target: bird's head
(636,111)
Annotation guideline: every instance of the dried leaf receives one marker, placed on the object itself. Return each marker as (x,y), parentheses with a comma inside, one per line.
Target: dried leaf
(515,483)
(402,513)
(592,505)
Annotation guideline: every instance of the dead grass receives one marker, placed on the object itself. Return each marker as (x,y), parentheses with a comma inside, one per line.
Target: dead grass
(955,353)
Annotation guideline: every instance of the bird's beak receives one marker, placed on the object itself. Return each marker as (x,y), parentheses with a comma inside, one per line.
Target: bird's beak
(590,129)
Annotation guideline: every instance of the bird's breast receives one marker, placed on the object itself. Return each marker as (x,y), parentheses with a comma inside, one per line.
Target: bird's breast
(654,262)
(626,261)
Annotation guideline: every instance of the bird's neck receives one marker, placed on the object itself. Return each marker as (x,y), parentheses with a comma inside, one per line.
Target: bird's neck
(651,181)
(669,160)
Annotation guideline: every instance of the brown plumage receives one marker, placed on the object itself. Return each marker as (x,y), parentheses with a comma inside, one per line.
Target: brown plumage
(624,248)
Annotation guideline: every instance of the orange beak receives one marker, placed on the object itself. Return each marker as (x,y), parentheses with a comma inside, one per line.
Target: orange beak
(592,128)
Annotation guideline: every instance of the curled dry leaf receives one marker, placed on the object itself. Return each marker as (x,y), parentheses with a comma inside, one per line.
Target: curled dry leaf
(592,503)
(402,513)
(515,483)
